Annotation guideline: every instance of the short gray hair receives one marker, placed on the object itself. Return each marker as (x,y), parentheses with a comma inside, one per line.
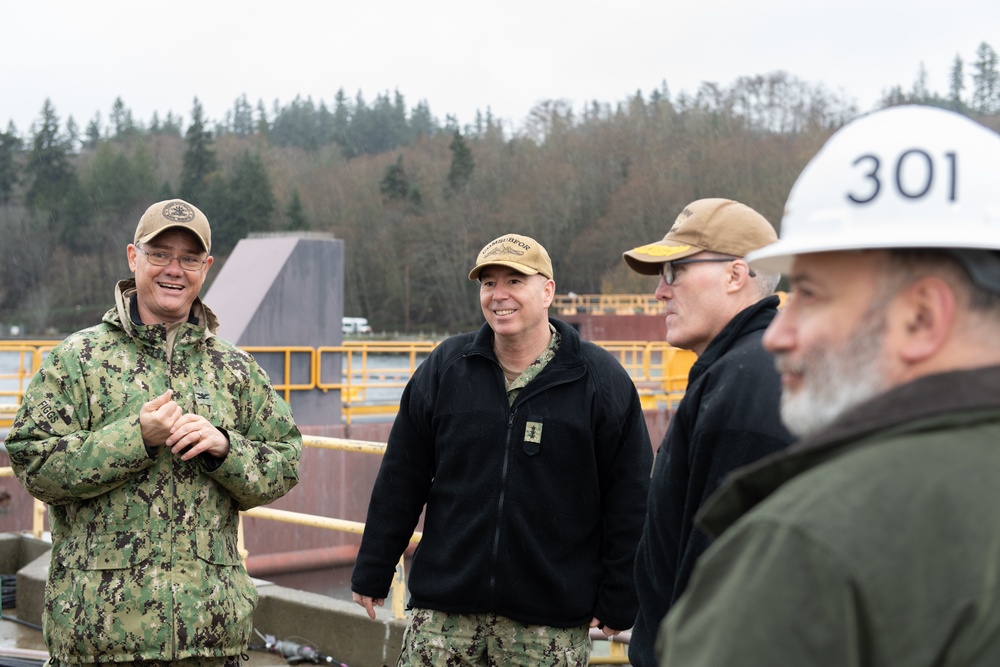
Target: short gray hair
(766,282)
(908,264)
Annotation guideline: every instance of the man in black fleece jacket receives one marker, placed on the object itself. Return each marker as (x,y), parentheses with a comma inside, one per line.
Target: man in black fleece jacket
(717,307)
(527,449)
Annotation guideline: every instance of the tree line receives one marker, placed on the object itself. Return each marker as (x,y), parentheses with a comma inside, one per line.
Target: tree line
(414,198)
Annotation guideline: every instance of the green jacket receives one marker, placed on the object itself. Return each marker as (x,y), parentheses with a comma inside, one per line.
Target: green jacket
(875,544)
(144,560)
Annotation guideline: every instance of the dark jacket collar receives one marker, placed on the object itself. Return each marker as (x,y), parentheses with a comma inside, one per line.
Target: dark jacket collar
(569,344)
(929,398)
(752,318)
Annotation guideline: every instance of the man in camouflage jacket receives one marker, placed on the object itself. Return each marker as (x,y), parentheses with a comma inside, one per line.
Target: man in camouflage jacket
(146,435)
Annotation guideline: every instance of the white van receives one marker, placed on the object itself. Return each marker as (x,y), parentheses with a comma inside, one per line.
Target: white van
(355,326)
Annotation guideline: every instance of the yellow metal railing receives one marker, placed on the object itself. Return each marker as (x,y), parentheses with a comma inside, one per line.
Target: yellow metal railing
(370,374)
(607,304)
(289,354)
(363,373)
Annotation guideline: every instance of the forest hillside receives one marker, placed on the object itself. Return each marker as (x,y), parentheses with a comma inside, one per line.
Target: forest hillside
(413,197)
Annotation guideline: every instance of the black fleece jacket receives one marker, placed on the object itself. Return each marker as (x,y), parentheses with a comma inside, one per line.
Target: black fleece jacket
(533,511)
(729,417)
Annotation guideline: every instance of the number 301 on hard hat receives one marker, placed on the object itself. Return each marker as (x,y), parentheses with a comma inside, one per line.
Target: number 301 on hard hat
(903,177)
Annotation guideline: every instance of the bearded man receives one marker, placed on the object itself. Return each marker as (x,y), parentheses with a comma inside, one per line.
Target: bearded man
(874,539)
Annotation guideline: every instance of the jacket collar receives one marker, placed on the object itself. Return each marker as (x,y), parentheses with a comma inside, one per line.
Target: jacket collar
(120,315)
(755,317)
(569,344)
(902,409)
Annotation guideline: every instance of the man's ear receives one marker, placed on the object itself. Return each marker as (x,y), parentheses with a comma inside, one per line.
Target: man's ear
(131,253)
(925,313)
(739,274)
(549,291)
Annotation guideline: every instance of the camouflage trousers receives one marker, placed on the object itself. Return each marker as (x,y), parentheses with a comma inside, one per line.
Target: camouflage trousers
(438,639)
(226,661)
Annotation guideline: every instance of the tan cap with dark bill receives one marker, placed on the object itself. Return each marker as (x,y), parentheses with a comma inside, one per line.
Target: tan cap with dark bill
(173,214)
(713,225)
(521,253)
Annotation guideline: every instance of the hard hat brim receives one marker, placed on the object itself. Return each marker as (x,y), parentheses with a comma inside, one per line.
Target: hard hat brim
(779,257)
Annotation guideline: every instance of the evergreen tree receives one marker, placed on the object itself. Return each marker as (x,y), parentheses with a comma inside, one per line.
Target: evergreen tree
(985,81)
(114,187)
(893,97)
(263,127)
(72,134)
(296,125)
(324,125)
(395,184)
(462,163)
(956,85)
(399,130)
(248,204)
(53,178)
(116,183)
(422,123)
(122,122)
(295,216)
(107,177)
(341,120)
(199,159)
(920,94)
(172,125)
(10,148)
(93,131)
(242,119)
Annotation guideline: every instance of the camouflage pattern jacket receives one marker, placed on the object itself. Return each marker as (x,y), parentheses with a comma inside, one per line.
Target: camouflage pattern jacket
(144,560)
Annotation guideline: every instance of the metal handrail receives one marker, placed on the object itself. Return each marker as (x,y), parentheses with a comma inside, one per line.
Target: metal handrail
(658,370)
(287,351)
(607,304)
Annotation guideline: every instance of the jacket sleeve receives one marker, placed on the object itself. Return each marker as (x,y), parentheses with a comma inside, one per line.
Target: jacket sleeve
(263,460)
(765,595)
(52,450)
(401,487)
(625,459)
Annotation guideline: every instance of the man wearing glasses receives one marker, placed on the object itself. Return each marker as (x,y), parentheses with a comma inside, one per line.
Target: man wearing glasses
(147,435)
(717,307)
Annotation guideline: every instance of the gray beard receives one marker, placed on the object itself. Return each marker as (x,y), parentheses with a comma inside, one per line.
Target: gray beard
(837,380)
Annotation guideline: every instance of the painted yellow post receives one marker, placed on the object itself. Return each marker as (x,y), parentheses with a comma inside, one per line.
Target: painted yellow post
(38,519)
(399,591)
(241,543)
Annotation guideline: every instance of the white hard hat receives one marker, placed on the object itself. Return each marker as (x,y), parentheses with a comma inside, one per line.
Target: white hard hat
(903,177)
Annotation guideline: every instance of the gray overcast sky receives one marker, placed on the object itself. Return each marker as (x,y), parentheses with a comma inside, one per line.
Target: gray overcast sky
(462,56)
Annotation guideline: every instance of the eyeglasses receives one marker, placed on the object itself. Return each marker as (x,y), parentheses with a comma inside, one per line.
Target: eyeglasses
(667,270)
(187,262)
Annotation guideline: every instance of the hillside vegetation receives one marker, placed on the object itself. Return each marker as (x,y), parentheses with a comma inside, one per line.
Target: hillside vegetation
(413,198)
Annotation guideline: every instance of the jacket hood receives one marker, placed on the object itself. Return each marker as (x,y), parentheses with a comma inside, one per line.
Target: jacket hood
(120,314)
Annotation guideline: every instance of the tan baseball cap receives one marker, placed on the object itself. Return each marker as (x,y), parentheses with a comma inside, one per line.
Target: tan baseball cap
(714,225)
(173,214)
(521,253)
